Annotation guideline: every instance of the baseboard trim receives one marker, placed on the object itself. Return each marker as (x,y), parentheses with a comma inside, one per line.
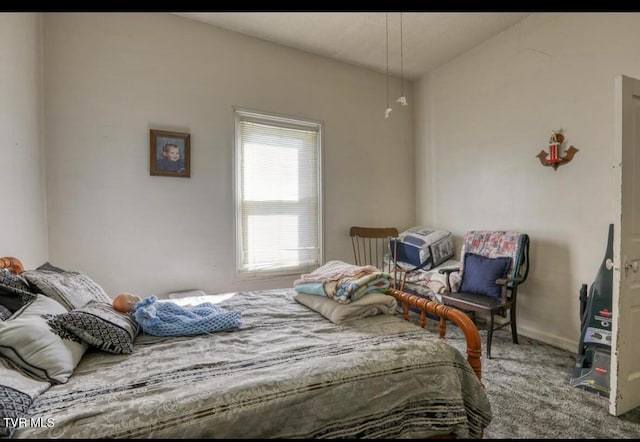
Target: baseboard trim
(557,341)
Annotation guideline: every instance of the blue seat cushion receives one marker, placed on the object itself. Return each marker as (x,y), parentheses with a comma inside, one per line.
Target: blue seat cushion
(480,274)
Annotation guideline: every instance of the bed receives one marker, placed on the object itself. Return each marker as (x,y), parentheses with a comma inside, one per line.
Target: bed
(286,372)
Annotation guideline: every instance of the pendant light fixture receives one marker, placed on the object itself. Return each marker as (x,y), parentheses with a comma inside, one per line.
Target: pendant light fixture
(402,99)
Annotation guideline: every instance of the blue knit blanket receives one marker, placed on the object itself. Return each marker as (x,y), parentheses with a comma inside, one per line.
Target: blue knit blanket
(170,319)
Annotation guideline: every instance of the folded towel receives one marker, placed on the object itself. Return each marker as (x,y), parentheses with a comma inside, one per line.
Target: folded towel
(369,305)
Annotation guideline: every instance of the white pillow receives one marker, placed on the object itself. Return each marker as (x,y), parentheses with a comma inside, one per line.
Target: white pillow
(33,340)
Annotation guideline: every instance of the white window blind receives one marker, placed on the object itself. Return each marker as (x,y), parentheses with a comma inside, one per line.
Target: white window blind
(278,194)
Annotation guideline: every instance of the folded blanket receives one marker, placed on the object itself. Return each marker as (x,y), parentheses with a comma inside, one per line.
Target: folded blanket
(164,318)
(342,282)
(370,305)
(345,290)
(335,270)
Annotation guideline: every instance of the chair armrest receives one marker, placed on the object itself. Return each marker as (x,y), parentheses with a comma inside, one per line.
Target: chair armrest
(503,281)
(448,271)
(505,288)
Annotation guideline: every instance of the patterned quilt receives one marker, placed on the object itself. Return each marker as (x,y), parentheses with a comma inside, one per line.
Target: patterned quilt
(287,372)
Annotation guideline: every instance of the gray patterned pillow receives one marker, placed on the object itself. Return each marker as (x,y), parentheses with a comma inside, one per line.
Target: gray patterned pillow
(12,283)
(17,391)
(98,324)
(48,266)
(4,313)
(14,302)
(14,291)
(71,289)
(33,341)
(13,405)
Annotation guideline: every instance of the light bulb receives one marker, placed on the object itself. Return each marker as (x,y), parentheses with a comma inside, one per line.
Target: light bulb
(387,111)
(402,100)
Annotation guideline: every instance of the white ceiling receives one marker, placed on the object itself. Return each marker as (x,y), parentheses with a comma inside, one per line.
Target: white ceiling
(430,39)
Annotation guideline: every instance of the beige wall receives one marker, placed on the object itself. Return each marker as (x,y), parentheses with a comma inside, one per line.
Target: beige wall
(483,118)
(22,220)
(111,77)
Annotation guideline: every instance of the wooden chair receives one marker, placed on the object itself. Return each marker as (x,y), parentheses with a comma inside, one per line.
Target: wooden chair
(371,245)
(493,265)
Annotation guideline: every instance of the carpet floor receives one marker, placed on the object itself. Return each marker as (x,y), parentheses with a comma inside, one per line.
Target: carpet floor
(528,387)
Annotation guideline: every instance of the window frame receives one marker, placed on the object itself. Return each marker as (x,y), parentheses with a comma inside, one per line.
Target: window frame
(278,120)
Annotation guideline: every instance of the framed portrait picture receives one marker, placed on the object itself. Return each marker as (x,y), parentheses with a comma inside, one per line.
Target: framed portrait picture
(169,153)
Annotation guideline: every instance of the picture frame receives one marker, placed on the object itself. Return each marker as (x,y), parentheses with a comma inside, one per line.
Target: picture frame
(169,153)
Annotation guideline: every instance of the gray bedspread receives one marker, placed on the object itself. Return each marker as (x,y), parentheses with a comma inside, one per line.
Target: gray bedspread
(286,373)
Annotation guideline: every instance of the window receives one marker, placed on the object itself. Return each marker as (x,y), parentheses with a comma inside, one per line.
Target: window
(278,195)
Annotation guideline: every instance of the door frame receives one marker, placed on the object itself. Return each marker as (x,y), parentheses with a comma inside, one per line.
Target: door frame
(623,375)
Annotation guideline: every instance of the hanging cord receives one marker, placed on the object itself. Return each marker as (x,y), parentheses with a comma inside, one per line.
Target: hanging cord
(388,109)
(402,100)
(401,61)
